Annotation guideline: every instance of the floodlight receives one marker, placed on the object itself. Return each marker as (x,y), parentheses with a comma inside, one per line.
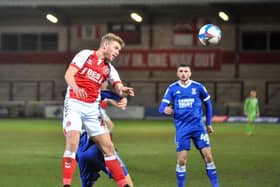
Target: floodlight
(136,17)
(52,18)
(223,16)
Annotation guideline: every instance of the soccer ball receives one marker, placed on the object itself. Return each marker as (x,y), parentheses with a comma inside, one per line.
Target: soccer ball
(209,35)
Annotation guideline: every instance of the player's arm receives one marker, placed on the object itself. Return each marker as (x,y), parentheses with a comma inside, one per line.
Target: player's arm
(165,108)
(209,112)
(70,80)
(208,108)
(75,65)
(113,102)
(114,99)
(122,90)
(165,105)
(245,107)
(117,84)
(120,104)
(258,109)
(107,94)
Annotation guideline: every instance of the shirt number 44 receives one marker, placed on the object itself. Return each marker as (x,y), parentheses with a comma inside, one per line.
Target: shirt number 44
(205,138)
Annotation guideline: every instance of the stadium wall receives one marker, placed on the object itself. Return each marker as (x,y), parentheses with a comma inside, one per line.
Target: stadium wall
(254,68)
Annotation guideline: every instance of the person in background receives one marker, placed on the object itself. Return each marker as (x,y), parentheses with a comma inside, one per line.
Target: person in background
(251,111)
(185,99)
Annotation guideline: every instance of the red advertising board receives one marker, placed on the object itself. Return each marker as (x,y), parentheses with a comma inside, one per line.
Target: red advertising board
(157,59)
(169,59)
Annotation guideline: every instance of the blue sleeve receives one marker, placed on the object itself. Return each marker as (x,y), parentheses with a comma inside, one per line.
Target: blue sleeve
(208,106)
(204,93)
(109,95)
(165,100)
(162,107)
(209,111)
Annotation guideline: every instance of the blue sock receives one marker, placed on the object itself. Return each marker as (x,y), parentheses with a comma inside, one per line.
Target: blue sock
(212,174)
(181,175)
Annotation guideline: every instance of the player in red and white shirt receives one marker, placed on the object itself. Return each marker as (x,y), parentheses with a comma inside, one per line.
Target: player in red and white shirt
(84,76)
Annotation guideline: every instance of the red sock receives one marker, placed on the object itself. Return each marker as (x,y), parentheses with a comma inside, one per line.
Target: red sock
(68,168)
(115,169)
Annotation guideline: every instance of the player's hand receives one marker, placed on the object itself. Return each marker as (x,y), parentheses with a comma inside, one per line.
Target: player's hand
(209,129)
(80,92)
(168,110)
(124,91)
(122,103)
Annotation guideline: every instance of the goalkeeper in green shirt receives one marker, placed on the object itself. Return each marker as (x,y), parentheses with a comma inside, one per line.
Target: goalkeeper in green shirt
(251,110)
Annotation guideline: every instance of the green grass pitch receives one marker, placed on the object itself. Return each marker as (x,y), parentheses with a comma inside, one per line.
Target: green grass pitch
(31,151)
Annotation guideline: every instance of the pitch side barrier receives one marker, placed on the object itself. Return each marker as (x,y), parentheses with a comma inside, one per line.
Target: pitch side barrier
(243,119)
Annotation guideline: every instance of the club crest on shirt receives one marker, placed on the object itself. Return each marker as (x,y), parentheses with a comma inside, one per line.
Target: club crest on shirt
(193,91)
(106,70)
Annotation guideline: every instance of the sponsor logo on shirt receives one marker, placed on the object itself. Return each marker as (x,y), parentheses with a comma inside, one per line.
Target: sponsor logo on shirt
(186,103)
(92,75)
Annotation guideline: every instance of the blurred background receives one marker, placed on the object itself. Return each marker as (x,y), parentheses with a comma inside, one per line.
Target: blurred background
(39,38)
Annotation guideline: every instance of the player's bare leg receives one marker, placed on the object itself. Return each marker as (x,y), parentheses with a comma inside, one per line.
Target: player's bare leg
(111,161)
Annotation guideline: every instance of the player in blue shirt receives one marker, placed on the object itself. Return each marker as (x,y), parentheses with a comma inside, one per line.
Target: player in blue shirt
(184,100)
(90,158)
(91,162)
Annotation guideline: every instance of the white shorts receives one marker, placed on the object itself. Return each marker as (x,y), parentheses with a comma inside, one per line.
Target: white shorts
(104,115)
(80,115)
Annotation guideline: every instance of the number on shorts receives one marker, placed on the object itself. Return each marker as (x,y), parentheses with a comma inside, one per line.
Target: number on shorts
(205,138)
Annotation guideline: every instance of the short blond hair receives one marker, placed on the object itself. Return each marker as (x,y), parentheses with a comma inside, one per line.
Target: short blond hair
(112,37)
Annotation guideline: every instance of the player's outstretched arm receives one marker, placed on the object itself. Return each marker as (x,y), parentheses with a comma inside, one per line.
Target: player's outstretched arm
(122,103)
(123,91)
(114,99)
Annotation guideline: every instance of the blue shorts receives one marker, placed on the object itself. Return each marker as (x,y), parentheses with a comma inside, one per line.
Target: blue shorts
(199,137)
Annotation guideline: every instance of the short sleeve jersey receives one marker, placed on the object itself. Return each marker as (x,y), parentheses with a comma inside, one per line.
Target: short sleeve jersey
(92,72)
(187,103)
